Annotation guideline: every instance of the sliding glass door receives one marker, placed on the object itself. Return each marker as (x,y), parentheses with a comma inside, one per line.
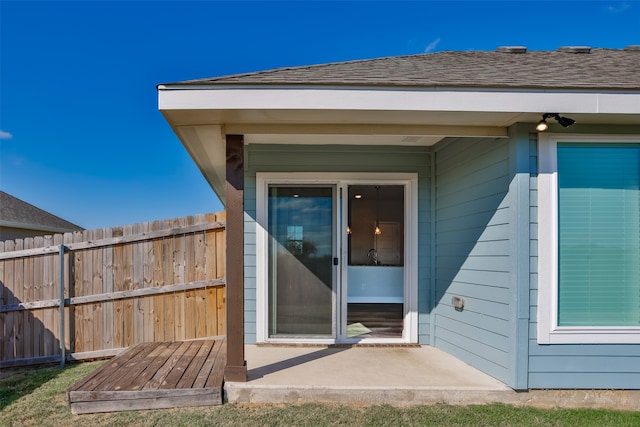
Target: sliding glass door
(336,258)
(301,278)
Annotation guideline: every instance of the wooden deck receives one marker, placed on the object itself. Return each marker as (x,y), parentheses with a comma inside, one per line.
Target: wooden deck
(154,376)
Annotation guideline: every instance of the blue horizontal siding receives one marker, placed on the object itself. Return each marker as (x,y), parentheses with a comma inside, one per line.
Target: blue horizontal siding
(494,232)
(582,380)
(477,263)
(486,249)
(472,244)
(488,285)
(475,220)
(474,284)
(482,361)
(571,351)
(473,345)
(477,332)
(476,203)
(489,309)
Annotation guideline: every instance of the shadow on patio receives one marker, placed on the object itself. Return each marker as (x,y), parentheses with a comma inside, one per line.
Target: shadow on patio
(360,374)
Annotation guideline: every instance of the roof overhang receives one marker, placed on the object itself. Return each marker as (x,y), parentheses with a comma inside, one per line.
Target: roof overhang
(36,227)
(202,115)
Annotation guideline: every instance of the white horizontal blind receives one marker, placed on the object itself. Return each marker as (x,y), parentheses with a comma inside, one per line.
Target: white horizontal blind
(599,234)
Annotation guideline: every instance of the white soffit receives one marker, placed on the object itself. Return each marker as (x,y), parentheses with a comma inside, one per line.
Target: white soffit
(206,145)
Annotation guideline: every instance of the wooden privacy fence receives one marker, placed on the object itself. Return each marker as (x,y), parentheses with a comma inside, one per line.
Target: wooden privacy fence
(151,282)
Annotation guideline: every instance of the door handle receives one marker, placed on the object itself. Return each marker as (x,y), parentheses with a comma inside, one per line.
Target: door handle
(336,261)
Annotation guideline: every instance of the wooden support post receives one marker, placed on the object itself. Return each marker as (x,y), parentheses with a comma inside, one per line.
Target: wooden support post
(236,369)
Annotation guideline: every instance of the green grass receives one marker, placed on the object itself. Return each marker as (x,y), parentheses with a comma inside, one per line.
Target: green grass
(37,397)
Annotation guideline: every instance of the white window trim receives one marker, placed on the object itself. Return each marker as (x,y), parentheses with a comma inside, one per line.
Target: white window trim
(548,330)
(410,180)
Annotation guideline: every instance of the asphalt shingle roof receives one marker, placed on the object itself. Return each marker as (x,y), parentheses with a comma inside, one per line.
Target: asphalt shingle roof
(600,69)
(15,210)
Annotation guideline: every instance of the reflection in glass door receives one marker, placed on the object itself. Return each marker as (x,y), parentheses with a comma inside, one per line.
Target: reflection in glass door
(301,249)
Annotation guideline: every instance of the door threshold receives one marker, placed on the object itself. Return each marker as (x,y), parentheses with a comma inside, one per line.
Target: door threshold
(337,345)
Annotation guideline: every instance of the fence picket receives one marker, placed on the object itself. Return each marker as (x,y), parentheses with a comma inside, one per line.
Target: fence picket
(49,342)
(190,296)
(159,260)
(28,297)
(179,277)
(96,287)
(118,285)
(9,298)
(138,283)
(54,260)
(200,273)
(107,287)
(128,285)
(38,315)
(169,300)
(78,291)
(147,282)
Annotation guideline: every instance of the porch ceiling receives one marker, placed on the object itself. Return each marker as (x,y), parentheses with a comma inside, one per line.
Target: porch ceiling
(248,121)
(202,116)
(344,117)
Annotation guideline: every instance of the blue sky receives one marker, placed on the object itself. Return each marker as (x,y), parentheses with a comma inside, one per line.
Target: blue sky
(80,132)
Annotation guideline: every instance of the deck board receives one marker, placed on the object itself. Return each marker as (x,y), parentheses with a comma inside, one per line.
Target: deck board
(101,375)
(208,365)
(171,381)
(159,377)
(190,374)
(154,376)
(217,373)
(160,356)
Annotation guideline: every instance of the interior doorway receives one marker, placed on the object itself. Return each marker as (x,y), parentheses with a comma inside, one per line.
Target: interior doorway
(375,264)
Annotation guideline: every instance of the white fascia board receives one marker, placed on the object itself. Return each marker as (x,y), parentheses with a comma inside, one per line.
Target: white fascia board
(313,98)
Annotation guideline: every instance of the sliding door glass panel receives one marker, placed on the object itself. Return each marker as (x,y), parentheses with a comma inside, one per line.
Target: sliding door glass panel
(301,278)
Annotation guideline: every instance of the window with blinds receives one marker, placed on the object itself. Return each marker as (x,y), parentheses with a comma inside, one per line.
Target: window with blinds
(598,234)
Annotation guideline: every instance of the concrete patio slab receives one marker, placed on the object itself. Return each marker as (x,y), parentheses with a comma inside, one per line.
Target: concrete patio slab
(364,375)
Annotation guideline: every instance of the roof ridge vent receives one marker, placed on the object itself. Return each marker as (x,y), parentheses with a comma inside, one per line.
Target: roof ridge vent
(575,49)
(512,49)
(633,47)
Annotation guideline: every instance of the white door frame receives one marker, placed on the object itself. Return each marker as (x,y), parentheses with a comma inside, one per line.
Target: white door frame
(341,181)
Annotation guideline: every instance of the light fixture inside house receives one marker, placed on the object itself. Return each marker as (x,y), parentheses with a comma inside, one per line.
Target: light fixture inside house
(563,121)
(357,196)
(377,230)
(348,230)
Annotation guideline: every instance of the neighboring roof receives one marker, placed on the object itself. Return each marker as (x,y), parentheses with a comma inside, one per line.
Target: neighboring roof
(20,214)
(507,67)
